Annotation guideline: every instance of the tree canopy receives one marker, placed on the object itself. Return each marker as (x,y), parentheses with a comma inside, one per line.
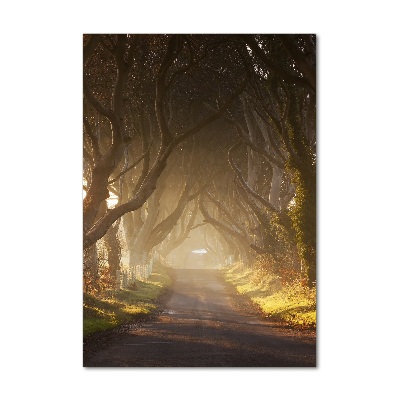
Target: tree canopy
(205,135)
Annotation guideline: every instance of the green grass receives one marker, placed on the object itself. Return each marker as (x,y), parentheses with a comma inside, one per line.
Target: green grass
(294,304)
(125,306)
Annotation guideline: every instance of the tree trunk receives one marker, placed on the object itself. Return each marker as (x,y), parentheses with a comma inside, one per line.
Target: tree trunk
(274,194)
(90,269)
(304,221)
(113,252)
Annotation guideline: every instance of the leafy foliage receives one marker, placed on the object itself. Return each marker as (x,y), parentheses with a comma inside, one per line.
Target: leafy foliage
(225,121)
(116,307)
(283,297)
(303,215)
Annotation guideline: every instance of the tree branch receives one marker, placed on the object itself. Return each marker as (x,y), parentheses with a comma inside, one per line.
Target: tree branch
(108,113)
(93,139)
(173,49)
(300,59)
(223,210)
(252,43)
(226,229)
(136,162)
(90,47)
(239,176)
(215,116)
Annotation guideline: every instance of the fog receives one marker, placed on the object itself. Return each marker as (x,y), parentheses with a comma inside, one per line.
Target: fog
(205,140)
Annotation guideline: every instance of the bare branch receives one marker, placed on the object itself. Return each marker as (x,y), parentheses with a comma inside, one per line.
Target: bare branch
(108,113)
(198,225)
(224,211)
(136,162)
(90,47)
(108,46)
(93,139)
(184,69)
(216,115)
(252,43)
(300,59)
(174,47)
(234,234)
(244,184)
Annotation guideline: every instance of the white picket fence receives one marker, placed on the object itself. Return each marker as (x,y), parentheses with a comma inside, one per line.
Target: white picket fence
(127,276)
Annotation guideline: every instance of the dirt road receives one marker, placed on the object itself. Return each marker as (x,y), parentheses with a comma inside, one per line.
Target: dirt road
(205,324)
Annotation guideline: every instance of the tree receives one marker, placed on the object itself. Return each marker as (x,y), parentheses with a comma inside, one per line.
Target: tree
(111,70)
(247,105)
(286,107)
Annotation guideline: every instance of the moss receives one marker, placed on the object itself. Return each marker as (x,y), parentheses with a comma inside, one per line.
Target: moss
(292,303)
(124,306)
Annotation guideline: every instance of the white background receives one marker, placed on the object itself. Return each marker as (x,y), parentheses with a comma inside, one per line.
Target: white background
(358,153)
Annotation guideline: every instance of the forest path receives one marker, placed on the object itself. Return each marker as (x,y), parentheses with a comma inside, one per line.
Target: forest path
(206,324)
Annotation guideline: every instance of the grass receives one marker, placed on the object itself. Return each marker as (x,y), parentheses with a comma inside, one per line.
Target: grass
(291,303)
(125,306)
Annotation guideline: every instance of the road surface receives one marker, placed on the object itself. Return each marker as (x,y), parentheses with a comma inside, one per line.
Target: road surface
(206,324)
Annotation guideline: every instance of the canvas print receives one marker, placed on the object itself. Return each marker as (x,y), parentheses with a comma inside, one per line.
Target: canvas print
(199,200)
